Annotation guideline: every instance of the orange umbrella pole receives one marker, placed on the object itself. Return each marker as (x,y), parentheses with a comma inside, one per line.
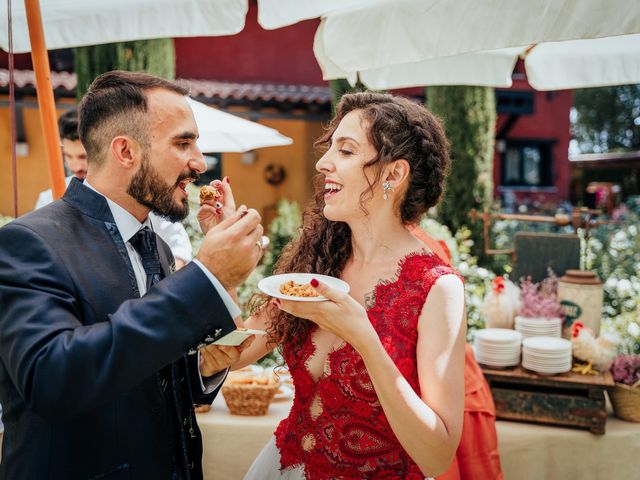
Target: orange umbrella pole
(46,103)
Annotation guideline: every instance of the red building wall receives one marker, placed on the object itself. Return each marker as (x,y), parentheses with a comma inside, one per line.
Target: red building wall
(254,55)
(549,121)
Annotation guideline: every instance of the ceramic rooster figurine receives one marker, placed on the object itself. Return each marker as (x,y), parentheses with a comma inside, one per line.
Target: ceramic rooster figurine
(597,352)
(501,304)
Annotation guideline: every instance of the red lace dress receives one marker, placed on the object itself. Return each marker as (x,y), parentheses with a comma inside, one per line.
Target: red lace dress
(336,428)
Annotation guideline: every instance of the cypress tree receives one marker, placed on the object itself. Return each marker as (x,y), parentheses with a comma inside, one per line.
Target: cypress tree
(152,56)
(341,86)
(469,116)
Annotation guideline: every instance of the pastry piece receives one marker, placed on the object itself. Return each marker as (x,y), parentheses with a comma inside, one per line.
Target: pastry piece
(209,194)
(298,289)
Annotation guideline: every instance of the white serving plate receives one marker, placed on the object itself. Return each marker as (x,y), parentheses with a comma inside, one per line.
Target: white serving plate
(271,285)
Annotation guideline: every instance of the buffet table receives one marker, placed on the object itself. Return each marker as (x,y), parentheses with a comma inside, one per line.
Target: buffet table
(527,451)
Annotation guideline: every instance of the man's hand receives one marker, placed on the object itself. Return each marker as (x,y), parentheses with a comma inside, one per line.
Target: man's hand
(215,358)
(231,249)
(208,215)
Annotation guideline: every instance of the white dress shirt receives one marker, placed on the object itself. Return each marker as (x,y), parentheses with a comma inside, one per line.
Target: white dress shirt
(128,226)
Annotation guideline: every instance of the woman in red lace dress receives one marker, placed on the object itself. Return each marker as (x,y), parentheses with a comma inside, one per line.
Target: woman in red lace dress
(378,373)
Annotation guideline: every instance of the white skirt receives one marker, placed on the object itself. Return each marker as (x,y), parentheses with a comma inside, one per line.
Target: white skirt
(266,466)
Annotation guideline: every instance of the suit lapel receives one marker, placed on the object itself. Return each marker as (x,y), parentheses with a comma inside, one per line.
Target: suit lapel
(94,205)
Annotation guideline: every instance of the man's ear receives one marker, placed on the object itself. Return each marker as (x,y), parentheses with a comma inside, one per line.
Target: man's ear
(126,151)
(397,173)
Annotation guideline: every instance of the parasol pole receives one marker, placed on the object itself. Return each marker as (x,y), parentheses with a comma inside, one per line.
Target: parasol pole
(46,102)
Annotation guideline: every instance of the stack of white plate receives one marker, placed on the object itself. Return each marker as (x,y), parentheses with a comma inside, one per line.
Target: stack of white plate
(538,327)
(497,347)
(546,355)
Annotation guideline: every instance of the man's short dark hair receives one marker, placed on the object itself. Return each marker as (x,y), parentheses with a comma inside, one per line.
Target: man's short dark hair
(116,104)
(68,125)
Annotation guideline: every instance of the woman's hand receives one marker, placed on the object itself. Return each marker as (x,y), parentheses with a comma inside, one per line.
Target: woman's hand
(215,358)
(208,215)
(340,314)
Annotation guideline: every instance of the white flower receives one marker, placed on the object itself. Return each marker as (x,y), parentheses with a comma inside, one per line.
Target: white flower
(611,283)
(633,329)
(620,236)
(624,288)
(483,272)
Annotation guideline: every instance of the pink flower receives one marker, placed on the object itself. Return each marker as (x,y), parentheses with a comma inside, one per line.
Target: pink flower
(540,299)
(626,369)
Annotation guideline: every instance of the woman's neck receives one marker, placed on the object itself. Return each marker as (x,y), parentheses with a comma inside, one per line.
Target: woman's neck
(379,240)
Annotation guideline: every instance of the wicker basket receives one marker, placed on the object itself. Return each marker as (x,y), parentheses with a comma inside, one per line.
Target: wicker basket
(626,402)
(249,398)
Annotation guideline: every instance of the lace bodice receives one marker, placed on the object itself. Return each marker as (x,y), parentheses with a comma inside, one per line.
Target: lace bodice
(336,428)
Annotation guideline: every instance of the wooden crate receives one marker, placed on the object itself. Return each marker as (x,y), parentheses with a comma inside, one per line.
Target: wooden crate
(568,399)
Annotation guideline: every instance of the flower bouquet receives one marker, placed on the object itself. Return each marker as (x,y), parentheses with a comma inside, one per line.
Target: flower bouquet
(625,396)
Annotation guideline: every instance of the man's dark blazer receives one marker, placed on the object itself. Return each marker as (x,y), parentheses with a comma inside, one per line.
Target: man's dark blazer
(80,352)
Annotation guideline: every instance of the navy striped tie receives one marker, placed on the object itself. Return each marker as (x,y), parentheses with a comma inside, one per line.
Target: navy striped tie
(144,242)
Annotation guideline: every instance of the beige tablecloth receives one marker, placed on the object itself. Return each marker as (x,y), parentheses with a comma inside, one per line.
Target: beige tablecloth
(527,451)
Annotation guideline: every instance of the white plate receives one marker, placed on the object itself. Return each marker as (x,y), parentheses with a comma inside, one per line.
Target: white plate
(497,348)
(546,344)
(549,371)
(498,336)
(271,285)
(565,364)
(499,363)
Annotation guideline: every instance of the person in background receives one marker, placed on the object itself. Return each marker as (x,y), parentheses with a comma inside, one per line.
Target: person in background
(75,161)
(477,456)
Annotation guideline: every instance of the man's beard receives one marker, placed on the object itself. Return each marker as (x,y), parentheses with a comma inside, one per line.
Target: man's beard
(148,188)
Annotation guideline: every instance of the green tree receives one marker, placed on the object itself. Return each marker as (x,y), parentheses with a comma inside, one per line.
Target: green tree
(469,116)
(607,119)
(152,56)
(340,87)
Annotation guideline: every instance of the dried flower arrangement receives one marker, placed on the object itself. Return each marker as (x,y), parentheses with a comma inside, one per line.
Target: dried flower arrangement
(626,370)
(540,300)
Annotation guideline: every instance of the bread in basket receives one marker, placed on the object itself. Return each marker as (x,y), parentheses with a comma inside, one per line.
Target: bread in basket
(249,394)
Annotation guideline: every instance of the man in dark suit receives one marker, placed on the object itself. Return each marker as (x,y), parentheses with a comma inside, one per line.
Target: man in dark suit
(95,381)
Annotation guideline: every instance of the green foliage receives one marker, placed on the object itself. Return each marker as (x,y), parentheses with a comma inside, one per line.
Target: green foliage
(341,86)
(608,118)
(469,116)
(4,220)
(152,56)
(283,229)
(613,251)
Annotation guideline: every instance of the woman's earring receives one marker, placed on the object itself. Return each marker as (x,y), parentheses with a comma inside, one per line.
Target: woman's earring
(386,186)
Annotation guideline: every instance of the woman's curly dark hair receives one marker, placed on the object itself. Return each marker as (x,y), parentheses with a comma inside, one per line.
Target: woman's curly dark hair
(398,129)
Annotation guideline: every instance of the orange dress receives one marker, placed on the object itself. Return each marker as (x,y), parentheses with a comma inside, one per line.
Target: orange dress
(477,455)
